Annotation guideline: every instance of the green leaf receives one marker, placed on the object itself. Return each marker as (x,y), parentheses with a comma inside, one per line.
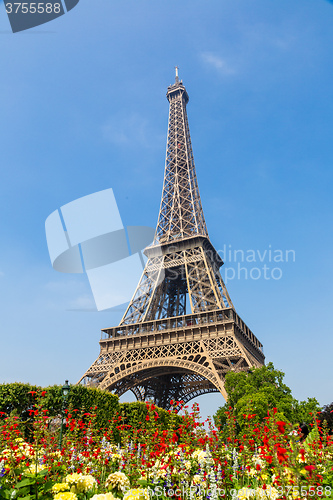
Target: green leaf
(6,493)
(22,492)
(46,486)
(42,473)
(143,482)
(25,482)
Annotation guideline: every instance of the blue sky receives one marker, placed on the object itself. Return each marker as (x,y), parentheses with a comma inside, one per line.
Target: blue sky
(83,108)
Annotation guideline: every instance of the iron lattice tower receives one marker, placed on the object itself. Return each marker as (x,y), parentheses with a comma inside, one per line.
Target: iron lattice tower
(160,351)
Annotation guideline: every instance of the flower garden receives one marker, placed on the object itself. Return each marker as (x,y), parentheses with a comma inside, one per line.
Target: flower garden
(158,458)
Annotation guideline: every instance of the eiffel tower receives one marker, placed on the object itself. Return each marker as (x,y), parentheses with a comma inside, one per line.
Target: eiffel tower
(180,334)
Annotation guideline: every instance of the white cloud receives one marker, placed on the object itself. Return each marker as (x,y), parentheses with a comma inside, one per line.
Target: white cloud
(217,62)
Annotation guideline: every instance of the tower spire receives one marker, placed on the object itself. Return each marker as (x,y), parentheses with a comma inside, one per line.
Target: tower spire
(177,78)
(181,213)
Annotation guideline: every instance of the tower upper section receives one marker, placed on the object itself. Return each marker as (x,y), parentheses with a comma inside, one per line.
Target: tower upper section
(181,215)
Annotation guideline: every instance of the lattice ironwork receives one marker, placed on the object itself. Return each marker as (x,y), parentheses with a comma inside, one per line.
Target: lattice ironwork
(180,334)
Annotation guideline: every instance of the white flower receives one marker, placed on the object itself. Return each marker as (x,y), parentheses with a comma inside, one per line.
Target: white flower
(117,480)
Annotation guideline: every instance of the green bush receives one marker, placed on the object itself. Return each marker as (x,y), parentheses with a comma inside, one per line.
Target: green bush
(20,399)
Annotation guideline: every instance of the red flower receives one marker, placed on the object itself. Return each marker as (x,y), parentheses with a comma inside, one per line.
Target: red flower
(281,454)
(309,467)
(43,393)
(265,440)
(281,427)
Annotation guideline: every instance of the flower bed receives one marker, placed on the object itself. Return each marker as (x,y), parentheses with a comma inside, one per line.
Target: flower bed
(183,461)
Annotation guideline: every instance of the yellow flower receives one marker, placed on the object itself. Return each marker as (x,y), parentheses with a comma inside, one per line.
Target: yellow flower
(188,465)
(198,481)
(33,469)
(56,488)
(66,495)
(80,483)
(245,494)
(199,455)
(270,493)
(288,473)
(103,496)
(137,494)
(73,478)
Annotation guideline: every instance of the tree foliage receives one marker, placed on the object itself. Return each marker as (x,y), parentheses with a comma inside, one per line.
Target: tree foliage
(258,391)
(327,415)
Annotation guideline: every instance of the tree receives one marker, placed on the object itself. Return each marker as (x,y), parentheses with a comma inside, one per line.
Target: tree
(327,414)
(258,391)
(305,411)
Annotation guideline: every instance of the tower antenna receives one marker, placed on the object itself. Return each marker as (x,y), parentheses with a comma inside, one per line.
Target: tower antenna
(177,78)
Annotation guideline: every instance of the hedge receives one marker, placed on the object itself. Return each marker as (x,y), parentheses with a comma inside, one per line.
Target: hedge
(19,399)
